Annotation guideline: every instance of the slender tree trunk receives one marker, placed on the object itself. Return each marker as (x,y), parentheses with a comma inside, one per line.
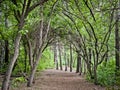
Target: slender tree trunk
(38,56)
(80,66)
(60,56)
(95,75)
(106,57)
(56,55)
(40,44)
(117,45)
(88,68)
(71,59)
(6,81)
(95,58)
(78,63)
(65,58)
(68,60)
(90,56)
(30,52)
(32,74)
(37,52)
(6,41)
(6,51)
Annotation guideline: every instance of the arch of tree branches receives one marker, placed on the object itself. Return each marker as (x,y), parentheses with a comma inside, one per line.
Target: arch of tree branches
(83,34)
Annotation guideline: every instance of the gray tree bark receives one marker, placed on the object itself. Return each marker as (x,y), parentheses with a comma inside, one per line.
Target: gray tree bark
(56,55)
(6,81)
(71,58)
(60,56)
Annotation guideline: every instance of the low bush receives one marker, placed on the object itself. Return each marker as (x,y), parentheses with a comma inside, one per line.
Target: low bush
(106,73)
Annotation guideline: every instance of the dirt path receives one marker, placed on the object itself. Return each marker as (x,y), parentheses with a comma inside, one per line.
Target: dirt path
(60,80)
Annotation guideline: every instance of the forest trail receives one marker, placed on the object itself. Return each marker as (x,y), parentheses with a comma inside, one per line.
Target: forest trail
(52,79)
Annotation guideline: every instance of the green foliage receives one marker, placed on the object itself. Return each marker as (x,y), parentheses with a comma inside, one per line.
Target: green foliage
(118,78)
(4,68)
(23,32)
(46,60)
(20,64)
(106,74)
(17,81)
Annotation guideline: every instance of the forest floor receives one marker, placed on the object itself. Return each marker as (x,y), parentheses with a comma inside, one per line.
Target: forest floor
(52,79)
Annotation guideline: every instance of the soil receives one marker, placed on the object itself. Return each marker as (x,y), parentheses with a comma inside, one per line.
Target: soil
(52,79)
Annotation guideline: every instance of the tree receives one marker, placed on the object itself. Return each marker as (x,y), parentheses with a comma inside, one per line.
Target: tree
(56,55)
(117,40)
(84,22)
(60,55)
(65,57)
(71,58)
(20,16)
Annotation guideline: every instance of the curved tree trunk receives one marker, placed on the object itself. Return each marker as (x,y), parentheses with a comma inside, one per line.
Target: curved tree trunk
(6,80)
(117,46)
(32,74)
(30,53)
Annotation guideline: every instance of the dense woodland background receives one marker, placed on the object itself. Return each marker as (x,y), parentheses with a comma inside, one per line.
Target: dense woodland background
(83,35)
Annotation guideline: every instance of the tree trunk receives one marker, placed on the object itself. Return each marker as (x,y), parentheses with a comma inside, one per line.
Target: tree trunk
(32,74)
(80,66)
(88,68)
(65,58)
(117,47)
(56,55)
(60,56)
(106,57)
(68,60)
(30,52)
(95,75)
(95,58)
(71,59)
(40,47)
(78,63)
(6,41)
(6,51)
(6,81)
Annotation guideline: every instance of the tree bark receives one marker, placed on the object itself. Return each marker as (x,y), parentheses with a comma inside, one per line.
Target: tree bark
(32,74)
(65,58)
(95,75)
(6,51)
(6,81)
(6,41)
(60,57)
(56,55)
(30,52)
(80,66)
(117,47)
(78,63)
(71,59)
(41,41)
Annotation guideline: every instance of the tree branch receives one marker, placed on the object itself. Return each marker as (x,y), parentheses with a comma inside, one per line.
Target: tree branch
(86,3)
(41,2)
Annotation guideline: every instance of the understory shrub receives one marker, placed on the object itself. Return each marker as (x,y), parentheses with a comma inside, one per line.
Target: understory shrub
(106,73)
(17,81)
